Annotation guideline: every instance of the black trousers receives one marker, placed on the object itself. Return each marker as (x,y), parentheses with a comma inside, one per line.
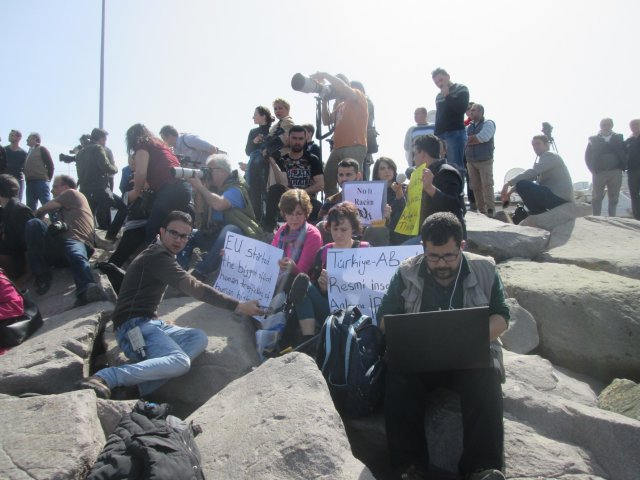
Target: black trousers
(634,192)
(481,404)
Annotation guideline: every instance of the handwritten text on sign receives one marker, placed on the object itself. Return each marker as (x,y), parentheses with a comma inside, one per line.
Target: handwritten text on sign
(369,197)
(249,269)
(361,276)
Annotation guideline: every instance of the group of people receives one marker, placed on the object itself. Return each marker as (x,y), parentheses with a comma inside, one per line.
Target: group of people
(290,198)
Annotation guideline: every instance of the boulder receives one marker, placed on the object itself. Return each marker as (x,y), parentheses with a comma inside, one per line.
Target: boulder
(623,397)
(565,213)
(487,236)
(278,422)
(49,437)
(230,354)
(587,321)
(57,355)
(522,335)
(598,243)
(111,411)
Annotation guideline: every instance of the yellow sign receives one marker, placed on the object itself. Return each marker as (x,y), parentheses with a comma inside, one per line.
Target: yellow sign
(409,223)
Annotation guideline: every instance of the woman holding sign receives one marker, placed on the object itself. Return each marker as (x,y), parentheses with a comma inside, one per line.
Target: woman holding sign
(385,169)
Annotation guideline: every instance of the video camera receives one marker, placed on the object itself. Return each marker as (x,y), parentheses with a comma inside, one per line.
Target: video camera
(303,84)
(273,144)
(84,141)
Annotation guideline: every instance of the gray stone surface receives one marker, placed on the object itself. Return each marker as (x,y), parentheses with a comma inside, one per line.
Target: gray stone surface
(57,355)
(587,321)
(231,352)
(598,243)
(565,213)
(111,411)
(278,422)
(522,335)
(623,397)
(501,240)
(49,437)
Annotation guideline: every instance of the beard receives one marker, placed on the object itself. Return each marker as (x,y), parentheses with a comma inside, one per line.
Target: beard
(443,273)
(296,148)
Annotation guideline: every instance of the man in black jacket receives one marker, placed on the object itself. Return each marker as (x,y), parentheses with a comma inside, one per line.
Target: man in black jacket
(633,166)
(13,218)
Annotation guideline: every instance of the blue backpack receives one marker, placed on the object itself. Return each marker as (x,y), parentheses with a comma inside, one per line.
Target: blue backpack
(349,354)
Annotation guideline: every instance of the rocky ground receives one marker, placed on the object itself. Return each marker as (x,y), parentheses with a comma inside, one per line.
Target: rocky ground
(573,282)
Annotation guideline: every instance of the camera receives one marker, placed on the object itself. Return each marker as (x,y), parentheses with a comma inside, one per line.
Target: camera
(303,84)
(184,173)
(85,140)
(273,144)
(547,128)
(185,161)
(57,227)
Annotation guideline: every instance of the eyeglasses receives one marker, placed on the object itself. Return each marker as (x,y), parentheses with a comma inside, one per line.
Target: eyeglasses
(183,237)
(447,257)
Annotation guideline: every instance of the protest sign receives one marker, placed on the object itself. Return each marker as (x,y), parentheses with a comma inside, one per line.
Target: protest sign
(369,197)
(249,269)
(361,276)
(409,223)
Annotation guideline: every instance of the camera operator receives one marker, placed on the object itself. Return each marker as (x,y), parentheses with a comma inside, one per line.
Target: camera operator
(188,145)
(350,116)
(263,169)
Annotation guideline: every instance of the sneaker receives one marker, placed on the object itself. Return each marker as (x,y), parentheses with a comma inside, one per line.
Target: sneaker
(97,384)
(43,283)
(414,473)
(490,212)
(111,237)
(490,474)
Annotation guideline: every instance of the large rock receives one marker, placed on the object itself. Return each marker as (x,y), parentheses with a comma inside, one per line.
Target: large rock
(110,412)
(623,397)
(522,334)
(49,437)
(278,422)
(500,240)
(556,217)
(231,352)
(57,355)
(598,243)
(587,321)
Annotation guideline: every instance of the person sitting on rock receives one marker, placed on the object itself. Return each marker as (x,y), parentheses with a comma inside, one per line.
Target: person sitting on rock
(161,351)
(445,277)
(552,186)
(13,218)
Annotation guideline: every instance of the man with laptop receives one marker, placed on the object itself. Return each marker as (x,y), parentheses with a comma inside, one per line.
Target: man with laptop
(445,278)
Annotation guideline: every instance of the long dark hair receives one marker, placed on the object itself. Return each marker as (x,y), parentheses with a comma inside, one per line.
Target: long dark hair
(265,112)
(388,161)
(138,135)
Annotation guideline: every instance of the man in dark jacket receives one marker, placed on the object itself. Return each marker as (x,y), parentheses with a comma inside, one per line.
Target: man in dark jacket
(13,218)
(605,158)
(633,166)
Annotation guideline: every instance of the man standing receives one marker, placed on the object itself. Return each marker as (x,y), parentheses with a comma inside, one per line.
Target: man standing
(422,127)
(68,242)
(633,166)
(350,117)
(161,350)
(188,145)
(38,171)
(553,185)
(479,154)
(605,158)
(446,277)
(451,105)
(296,169)
(16,158)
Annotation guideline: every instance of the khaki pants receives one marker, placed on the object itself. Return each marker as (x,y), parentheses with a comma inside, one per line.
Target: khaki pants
(357,152)
(481,181)
(612,179)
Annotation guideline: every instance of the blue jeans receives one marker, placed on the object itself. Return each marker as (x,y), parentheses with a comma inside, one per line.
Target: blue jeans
(45,249)
(212,260)
(37,190)
(536,198)
(456,141)
(173,196)
(169,350)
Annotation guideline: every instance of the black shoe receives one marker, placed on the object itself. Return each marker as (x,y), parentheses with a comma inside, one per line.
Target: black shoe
(97,384)
(93,293)
(414,473)
(490,212)
(43,283)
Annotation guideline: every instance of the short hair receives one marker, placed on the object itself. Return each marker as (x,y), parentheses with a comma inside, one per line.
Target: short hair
(309,128)
(98,134)
(36,135)
(168,130)
(9,186)
(608,120)
(66,180)
(349,163)
(543,138)
(297,128)
(294,197)
(441,227)
(357,85)
(177,216)
(478,106)
(282,101)
(343,211)
(421,110)
(429,144)
(439,71)
(16,132)
(220,160)
(343,77)
(388,161)
(265,112)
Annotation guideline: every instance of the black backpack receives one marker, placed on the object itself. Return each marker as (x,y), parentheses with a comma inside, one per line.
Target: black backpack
(349,354)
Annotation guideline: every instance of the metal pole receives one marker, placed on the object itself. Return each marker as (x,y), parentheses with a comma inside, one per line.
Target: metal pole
(101,115)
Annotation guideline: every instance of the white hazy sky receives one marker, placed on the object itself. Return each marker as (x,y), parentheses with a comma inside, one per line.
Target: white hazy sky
(203,66)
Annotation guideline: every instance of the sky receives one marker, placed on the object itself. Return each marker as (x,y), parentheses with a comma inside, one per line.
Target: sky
(203,66)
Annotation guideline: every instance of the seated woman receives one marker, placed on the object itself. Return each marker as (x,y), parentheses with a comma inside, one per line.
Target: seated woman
(386,169)
(343,222)
(299,240)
